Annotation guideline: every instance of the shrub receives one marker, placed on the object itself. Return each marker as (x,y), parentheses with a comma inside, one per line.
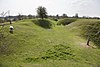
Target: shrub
(1,21)
(55,19)
(66,21)
(43,23)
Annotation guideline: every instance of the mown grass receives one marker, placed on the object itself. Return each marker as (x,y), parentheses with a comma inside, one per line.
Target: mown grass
(34,46)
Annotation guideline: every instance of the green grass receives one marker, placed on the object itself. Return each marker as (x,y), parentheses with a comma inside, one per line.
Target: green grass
(43,23)
(66,21)
(34,46)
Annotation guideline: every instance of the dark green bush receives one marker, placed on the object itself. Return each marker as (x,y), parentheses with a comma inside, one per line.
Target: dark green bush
(43,23)
(66,21)
(55,19)
(1,21)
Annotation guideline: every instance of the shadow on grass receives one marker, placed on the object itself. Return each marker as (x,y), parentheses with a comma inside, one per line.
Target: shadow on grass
(43,23)
(66,21)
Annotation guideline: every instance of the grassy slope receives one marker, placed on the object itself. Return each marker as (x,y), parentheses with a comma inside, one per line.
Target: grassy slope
(29,41)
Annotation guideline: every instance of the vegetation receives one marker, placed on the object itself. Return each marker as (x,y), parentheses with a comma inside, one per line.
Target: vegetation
(1,21)
(89,29)
(66,21)
(58,52)
(61,46)
(64,16)
(92,31)
(43,23)
(76,15)
(41,12)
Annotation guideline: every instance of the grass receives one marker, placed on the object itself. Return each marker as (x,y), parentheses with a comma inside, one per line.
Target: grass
(66,21)
(34,46)
(43,23)
(88,28)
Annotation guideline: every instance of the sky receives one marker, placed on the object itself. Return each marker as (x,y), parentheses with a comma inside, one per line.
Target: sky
(54,7)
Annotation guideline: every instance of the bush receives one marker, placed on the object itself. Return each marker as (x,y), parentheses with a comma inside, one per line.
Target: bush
(43,23)
(66,21)
(1,21)
(55,19)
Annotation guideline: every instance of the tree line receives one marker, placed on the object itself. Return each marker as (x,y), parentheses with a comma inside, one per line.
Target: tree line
(42,13)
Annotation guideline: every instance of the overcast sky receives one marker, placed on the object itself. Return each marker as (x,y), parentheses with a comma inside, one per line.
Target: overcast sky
(54,7)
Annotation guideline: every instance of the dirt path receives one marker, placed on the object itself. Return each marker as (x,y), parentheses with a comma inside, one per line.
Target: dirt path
(86,46)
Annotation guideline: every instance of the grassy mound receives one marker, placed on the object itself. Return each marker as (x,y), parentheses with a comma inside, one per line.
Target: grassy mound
(43,23)
(88,29)
(34,46)
(92,30)
(66,21)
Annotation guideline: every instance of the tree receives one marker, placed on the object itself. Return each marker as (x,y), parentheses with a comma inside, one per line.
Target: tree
(92,32)
(64,16)
(1,20)
(57,16)
(76,15)
(30,16)
(41,12)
